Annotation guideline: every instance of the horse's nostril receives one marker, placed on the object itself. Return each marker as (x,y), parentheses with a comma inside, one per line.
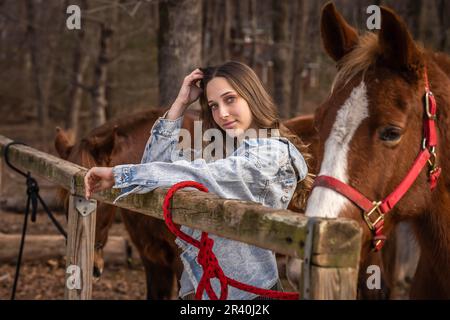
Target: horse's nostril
(97,272)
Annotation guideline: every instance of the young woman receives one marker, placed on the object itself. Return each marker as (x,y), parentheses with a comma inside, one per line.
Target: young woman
(269,168)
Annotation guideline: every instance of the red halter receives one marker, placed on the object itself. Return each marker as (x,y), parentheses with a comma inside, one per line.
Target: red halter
(380,208)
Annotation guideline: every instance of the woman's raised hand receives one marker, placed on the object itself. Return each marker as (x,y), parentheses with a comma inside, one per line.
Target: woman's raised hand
(189,91)
(98,179)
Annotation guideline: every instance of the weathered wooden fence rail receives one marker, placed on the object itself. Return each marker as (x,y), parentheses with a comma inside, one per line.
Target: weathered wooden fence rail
(329,248)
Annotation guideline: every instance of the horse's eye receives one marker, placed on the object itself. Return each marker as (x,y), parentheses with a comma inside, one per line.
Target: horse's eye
(390,133)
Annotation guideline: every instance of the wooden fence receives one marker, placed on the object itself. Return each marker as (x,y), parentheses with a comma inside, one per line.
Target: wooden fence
(330,248)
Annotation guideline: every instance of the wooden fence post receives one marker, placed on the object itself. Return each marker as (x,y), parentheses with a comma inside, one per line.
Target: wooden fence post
(80,248)
(331,260)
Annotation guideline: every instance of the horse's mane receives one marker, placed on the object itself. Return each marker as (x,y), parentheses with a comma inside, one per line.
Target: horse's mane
(364,54)
(126,123)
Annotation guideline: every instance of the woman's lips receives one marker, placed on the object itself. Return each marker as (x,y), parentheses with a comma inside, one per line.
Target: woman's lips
(229,125)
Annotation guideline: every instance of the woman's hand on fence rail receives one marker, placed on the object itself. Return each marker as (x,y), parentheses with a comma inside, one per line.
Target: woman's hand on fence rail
(98,179)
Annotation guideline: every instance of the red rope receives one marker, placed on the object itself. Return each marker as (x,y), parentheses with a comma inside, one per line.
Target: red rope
(208,260)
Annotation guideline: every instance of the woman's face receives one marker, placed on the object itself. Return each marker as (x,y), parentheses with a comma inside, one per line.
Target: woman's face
(229,110)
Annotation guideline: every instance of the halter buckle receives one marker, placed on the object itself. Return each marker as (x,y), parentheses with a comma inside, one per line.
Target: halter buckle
(432,160)
(424,143)
(376,245)
(375,208)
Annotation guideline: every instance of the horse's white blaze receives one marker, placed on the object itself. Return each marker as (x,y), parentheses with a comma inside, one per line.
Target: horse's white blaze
(325,202)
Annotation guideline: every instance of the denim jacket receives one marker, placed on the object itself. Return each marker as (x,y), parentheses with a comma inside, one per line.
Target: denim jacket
(263,170)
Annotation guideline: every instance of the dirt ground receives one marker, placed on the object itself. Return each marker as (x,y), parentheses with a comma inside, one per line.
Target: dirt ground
(44,280)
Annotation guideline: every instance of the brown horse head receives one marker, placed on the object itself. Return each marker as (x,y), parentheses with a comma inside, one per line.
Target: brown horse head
(371,129)
(95,150)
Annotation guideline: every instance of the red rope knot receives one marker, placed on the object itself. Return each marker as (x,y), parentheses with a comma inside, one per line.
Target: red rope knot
(208,260)
(211,269)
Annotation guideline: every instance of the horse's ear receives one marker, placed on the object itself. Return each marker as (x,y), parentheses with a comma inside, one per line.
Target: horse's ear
(63,145)
(101,147)
(398,49)
(338,37)
(118,139)
(102,141)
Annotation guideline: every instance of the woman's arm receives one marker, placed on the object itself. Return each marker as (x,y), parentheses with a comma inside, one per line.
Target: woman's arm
(245,175)
(98,179)
(189,93)
(163,140)
(165,132)
(235,177)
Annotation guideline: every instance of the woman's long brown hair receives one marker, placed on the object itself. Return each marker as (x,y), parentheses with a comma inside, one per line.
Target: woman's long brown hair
(265,114)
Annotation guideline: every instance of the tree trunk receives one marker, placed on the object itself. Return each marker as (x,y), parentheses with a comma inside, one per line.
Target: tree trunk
(236,32)
(410,11)
(298,59)
(208,50)
(413,9)
(443,12)
(254,34)
(216,31)
(35,55)
(282,56)
(226,39)
(101,77)
(80,62)
(179,45)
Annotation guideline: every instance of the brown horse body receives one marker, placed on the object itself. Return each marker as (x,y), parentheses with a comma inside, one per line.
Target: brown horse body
(370,132)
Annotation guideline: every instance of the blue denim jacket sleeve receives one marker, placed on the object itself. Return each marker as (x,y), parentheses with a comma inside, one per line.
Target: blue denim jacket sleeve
(163,140)
(161,144)
(235,177)
(245,175)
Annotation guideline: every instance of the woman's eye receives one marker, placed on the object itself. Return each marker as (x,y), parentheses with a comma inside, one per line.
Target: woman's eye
(230,99)
(390,134)
(213,106)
